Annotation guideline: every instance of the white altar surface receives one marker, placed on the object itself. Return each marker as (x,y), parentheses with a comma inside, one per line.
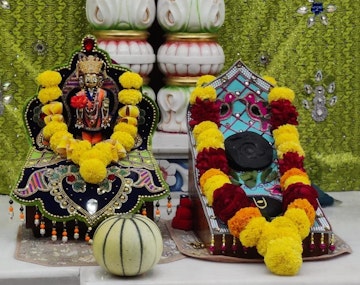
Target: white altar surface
(342,270)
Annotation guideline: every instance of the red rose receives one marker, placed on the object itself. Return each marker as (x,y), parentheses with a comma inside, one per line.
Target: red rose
(78,101)
(300,190)
(282,112)
(228,199)
(204,111)
(212,158)
(291,160)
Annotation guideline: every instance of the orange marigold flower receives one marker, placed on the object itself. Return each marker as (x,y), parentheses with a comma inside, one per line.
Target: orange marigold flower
(240,220)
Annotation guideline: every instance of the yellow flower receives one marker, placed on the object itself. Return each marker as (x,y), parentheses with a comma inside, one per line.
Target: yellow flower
(283,256)
(93,170)
(213,183)
(203,126)
(278,93)
(108,150)
(296,179)
(270,79)
(94,153)
(284,222)
(53,127)
(57,117)
(240,220)
(52,108)
(49,78)
(305,205)
(203,93)
(205,79)
(209,173)
(129,111)
(48,94)
(76,149)
(210,142)
(291,172)
(131,80)
(272,232)
(63,146)
(60,137)
(121,151)
(249,237)
(285,138)
(128,128)
(130,96)
(288,129)
(300,220)
(124,138)
(212,134)
(289,147)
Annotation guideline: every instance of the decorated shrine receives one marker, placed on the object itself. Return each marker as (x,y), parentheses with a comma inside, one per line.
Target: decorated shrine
(176,130)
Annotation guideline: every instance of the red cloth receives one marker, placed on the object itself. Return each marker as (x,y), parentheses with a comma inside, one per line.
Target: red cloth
(183,216)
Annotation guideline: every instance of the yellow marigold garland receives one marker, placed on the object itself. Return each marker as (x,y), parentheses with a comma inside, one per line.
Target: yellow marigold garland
(279,93)
(209,173)
(291,172)
(92,160)
(203,126)
(304,205)
(210,134)
(242,217)
(203,93)
(250,235)
(210,142)
(289,147)
(299,218)
(213,183)
(205,79)
(282,258)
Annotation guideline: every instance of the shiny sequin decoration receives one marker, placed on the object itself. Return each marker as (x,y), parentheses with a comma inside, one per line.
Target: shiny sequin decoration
(92,206)
(264,59)
(40,47)
(319,12)
(4,98)
(320,89)
(5,5)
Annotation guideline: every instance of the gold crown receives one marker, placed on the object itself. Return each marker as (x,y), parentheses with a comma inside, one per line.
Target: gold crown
(90,64)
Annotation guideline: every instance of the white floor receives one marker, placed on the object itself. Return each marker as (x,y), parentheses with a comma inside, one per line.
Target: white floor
(342,270)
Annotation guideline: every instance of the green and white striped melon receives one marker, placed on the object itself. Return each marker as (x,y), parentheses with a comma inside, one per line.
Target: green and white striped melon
(127,245)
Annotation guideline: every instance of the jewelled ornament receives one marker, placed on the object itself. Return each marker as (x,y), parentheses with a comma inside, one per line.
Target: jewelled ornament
(40,47)
(5,4)
(319,102)
(4,98)
(318,10)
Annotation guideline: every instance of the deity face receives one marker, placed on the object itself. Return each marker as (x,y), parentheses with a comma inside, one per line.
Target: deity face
(91,80)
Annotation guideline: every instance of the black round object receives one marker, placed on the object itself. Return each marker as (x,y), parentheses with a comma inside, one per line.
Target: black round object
(248,151)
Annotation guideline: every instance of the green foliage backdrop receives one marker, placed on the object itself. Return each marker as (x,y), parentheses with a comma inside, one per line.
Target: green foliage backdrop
(35,36)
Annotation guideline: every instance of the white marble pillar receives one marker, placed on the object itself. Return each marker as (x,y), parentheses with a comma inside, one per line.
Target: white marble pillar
(121,29)
(190,51)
